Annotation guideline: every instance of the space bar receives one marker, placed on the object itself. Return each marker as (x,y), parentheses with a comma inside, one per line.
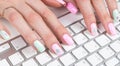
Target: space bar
(70,18)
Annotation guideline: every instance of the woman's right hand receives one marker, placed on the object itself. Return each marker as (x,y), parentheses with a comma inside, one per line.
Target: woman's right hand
(26,15)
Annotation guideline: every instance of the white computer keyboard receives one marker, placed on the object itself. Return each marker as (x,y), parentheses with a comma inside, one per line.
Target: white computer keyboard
(88,50)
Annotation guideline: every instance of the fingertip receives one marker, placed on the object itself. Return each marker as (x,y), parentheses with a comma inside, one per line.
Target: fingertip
(57,49)
(67,39)
(71,8)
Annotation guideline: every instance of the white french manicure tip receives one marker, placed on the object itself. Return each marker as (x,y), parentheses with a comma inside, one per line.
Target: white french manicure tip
(94,29)
(4,35)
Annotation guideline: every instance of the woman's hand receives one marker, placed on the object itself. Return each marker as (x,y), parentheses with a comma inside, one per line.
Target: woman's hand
(88,7)
(26,15)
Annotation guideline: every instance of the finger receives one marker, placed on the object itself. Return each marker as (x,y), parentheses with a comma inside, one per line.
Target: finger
(71,1)
(53,22)
(37,23)
(104,16)
(54,3)
(4,32)
(20,24)
(71,6)
(112,6)
(88,13)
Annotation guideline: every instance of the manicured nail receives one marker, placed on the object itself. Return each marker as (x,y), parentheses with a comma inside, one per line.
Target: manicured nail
(4,35)
(68,39)
(112,28)
(56,48)
(61,1)
(94,29)
(115,14)
(39,46)
(71,8)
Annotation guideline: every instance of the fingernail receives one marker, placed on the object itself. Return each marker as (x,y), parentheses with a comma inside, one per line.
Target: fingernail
(39,46)
(61,1)
(94,29)
(56,48)
(68,39)
(112,28)
(71,8)
(4,35)
(115,14)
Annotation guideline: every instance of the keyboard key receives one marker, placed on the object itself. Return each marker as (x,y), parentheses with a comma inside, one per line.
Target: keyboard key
(77,27)
(118,55)
(88,34)
(68,48)
(102,65)
(95,59)
(53,55)
(4,63)
(114,36)
(112,62)
(4,47)
(103,40)
(116,46)
(67,59)
(106,52)
(82,63)
(118,64)
(70,31)
(80,52)
(29,52)
(18,43)
(59,11)
(118,27)
(80,39)
(101,29)
(16,58)
(117,23)
(83,22)
(54,63)
(65,21)
(30,62)
(91,46)
(43,58)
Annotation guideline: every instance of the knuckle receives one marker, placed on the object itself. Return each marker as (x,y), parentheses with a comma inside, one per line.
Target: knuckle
(12,15)
(33,16)
(46,12)
(30,36)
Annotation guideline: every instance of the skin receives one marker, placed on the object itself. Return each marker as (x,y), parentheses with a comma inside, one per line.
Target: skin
(35,14)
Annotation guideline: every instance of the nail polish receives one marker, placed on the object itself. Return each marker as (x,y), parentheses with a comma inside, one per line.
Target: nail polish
(4,35)
(68,39)
(71,8)
(112,28)
(39,46)
(61,1)
(56,48)
(115,14)
(94,29)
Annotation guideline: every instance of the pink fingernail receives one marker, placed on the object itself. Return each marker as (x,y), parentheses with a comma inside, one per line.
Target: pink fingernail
(94,29)
(71,8)
(112,28)
(56,48)
(68,39)
(61,1)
